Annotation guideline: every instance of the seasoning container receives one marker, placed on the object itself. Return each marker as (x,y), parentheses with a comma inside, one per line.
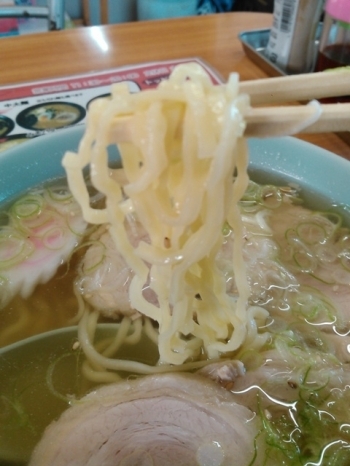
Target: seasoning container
(292,41)
(334,48)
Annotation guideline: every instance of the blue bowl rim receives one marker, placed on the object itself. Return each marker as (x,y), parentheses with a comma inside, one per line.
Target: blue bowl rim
(318,172)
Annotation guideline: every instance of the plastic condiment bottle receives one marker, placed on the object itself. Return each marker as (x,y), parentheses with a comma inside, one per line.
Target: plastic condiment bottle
(292,41)
(334,48)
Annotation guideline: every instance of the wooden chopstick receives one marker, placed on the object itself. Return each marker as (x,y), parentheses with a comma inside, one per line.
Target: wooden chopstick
(272,121)
(300,87)
(276,121)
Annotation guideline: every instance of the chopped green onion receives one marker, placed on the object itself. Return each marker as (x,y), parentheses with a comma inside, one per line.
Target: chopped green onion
(313,305)
(333,217)
(38,225)
(305,261)
(252,192)
(101,257)
(28,207)
(226,229)
(311,233)
(59,194)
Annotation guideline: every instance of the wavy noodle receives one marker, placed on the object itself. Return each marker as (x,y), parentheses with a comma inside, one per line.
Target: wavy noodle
(184,142)
(98,364)
(81,306)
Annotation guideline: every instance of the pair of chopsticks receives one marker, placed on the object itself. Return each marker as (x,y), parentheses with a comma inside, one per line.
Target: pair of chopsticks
(286,120)
(270,121)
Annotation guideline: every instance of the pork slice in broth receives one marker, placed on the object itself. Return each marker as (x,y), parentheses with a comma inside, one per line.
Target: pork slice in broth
(105,286)
(272,375)
(278,377)
(338,296)
(159,420)
(323,281)
(324,271)
(317,293)
(275,282)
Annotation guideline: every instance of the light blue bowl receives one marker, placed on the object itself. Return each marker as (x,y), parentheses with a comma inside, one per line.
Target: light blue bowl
(324,177)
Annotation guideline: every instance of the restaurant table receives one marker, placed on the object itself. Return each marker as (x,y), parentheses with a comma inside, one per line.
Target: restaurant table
(213,38)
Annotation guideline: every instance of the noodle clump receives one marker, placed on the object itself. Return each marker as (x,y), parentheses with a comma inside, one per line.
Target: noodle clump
(185,161)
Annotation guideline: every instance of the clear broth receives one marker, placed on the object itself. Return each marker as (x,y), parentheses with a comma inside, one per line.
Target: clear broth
(28,403)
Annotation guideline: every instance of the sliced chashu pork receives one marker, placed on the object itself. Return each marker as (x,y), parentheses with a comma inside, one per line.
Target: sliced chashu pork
(328,287)
(159,420)
(330,278)
(277,379)
(106,286)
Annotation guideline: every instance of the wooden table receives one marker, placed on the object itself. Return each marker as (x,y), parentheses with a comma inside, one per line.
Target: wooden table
(85,49)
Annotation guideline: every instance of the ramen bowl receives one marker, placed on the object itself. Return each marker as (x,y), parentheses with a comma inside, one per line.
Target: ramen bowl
(321,176)
(318,172)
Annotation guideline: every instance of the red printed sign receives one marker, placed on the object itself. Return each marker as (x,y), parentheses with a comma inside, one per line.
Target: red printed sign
(31,109)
